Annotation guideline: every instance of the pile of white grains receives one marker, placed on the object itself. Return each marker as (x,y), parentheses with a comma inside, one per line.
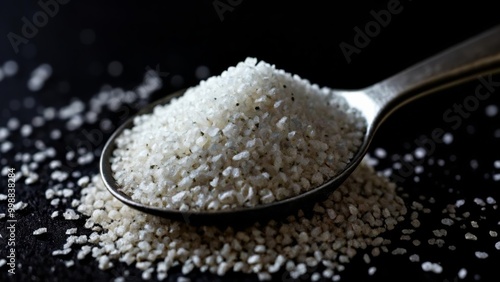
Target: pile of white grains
(351,219)
(357,230)
(253,135)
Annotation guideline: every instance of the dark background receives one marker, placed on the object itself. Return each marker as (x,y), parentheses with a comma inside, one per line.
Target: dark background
(300,37)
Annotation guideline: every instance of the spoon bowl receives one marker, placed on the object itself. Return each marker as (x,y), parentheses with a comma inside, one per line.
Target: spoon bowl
(466,61)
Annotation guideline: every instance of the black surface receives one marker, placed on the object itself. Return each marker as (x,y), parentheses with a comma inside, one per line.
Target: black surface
(300,37)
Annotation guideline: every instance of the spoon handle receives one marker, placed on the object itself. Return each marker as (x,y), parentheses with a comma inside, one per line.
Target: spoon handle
(468,60)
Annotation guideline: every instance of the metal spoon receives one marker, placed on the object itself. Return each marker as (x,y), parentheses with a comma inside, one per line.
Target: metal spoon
(463,62)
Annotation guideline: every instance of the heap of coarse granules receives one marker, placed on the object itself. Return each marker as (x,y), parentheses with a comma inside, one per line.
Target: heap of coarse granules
(450,232)
(251,136)
(352,218)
